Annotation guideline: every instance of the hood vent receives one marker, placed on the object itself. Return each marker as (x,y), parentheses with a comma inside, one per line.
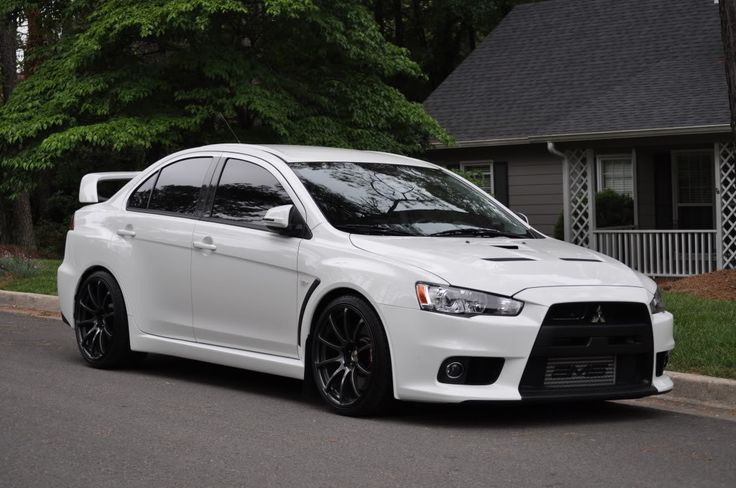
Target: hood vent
(503,260)
(583,260)
(506,246)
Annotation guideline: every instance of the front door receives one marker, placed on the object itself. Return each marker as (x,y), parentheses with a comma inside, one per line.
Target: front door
(244,276)
(693,189)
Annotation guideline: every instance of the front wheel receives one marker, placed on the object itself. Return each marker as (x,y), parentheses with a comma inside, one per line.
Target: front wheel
(101,322)
(350,358)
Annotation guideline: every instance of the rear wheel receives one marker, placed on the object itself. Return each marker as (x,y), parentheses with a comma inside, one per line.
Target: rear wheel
(101,322)
(350,358)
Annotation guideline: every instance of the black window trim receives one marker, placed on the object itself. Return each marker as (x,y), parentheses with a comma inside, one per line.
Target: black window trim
(215,181)
(203,191)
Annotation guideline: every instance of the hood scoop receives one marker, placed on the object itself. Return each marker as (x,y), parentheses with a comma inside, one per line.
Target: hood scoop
(506,246)
(505,260)
(583,260)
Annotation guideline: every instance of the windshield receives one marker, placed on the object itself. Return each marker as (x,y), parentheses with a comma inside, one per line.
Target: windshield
(390,199)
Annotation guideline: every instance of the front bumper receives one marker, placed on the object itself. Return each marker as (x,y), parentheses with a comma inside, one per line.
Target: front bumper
(420,341)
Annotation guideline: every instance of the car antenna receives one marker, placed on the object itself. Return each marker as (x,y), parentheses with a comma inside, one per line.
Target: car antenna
(228,126)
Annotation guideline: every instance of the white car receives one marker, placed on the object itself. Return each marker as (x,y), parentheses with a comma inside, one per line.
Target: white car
(373,275)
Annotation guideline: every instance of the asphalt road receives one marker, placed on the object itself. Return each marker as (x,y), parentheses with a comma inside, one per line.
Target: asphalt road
(173,422)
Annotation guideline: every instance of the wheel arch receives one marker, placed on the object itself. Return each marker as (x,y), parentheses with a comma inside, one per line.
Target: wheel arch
(86,274)
(320,302)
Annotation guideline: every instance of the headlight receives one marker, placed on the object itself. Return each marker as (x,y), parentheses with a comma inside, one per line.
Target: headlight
(657,304)
(459,301)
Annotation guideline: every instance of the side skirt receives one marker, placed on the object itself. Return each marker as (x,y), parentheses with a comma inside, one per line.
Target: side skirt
(225,356)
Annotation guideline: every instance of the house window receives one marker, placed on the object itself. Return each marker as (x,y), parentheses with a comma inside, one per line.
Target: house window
(616,173)
(484,173)
(615,202)
(693,189)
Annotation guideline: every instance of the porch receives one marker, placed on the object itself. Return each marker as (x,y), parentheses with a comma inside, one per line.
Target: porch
(664,210)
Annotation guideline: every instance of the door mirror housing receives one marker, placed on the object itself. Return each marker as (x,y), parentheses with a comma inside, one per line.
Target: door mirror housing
(277,218)
(287,220)
(522,217)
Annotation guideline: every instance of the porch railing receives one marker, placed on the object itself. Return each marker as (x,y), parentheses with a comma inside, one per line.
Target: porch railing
(661,252)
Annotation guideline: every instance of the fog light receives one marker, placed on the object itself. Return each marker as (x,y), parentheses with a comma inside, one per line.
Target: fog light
(454,370)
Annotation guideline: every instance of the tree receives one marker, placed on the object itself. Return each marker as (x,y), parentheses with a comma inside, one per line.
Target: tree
(728,35)
(141,78)
(438,33)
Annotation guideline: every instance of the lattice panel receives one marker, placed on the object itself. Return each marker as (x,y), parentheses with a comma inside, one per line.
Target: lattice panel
(727,173)
(579,206)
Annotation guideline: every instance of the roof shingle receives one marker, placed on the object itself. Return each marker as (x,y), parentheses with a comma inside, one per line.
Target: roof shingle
(585,66)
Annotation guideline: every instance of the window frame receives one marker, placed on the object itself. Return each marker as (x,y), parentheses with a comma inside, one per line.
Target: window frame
(676,204)
(631,156)
(215,182)
(201,198)
(482,163)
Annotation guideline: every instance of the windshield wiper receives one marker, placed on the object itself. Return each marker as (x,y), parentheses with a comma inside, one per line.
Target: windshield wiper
(374,229)
(477,233)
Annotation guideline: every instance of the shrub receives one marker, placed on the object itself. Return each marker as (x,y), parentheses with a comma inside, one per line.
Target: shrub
(472,176)
(20,266)
(614,209)
(559,232)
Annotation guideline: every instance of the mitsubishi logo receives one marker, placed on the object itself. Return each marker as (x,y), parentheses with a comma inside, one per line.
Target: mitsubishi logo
(598,317)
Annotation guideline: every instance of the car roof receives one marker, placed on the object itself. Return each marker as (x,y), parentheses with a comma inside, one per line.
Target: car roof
(302,154)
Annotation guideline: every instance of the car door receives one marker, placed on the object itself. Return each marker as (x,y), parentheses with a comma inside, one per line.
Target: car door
(244,276)
(156,228)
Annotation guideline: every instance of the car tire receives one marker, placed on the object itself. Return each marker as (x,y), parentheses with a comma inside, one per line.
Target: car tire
(101,323)
(350,358)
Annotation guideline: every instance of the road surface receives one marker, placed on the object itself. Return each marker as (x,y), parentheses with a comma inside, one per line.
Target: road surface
(173,422)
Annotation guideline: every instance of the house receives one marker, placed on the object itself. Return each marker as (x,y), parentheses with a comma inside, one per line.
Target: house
(613,113)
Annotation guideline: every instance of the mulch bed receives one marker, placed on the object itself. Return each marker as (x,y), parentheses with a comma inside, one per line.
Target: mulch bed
(719,285)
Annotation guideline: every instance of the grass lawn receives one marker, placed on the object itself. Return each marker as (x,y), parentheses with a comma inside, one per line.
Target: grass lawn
(44,281)
(705,335)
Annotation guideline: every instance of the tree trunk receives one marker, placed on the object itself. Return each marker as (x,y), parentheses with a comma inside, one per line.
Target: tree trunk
(728,36)
(8,68)
(22,215)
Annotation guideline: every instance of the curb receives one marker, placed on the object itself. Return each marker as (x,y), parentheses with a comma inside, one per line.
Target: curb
(708,390)
(29,301)
(692,388)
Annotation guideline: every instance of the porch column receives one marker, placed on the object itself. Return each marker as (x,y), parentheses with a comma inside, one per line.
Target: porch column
(579,203)
(725,166)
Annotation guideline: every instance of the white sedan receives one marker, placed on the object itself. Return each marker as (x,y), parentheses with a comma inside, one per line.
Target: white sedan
(372,275)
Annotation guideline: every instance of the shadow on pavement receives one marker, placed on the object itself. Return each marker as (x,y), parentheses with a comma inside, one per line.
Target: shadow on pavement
(472,415)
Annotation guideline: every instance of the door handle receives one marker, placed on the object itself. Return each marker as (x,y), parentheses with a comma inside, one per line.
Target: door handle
(126,232)
(207,246)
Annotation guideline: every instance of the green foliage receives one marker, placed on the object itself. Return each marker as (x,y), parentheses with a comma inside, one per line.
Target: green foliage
(559,231)
(131,80)
(472,176)
(19,266)
(614,209)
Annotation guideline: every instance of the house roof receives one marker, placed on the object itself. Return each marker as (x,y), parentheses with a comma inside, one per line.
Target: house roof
(576,69)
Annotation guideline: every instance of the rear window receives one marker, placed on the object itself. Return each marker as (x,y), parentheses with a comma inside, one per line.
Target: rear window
(179,186)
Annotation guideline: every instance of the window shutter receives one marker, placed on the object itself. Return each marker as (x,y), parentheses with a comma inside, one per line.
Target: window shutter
(501,182)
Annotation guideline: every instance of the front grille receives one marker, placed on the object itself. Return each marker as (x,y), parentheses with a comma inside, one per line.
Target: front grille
(604,348)
(580,371)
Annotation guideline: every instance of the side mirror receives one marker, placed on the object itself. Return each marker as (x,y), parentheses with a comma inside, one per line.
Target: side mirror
(287,220)
(277,218)
(522,217)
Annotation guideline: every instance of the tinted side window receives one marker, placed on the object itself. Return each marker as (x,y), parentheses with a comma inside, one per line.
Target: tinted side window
(139,198)
(178,188)
(245,192)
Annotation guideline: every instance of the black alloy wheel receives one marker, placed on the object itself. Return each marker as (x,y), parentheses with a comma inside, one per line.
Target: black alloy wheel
(350,358)
(101,322)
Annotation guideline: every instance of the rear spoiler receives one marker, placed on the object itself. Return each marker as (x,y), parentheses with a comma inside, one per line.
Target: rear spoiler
(88,186)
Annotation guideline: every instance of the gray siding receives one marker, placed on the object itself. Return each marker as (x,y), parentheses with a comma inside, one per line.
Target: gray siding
(535,178)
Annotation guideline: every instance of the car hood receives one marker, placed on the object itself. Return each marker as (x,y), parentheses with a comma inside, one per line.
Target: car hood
(503,266)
